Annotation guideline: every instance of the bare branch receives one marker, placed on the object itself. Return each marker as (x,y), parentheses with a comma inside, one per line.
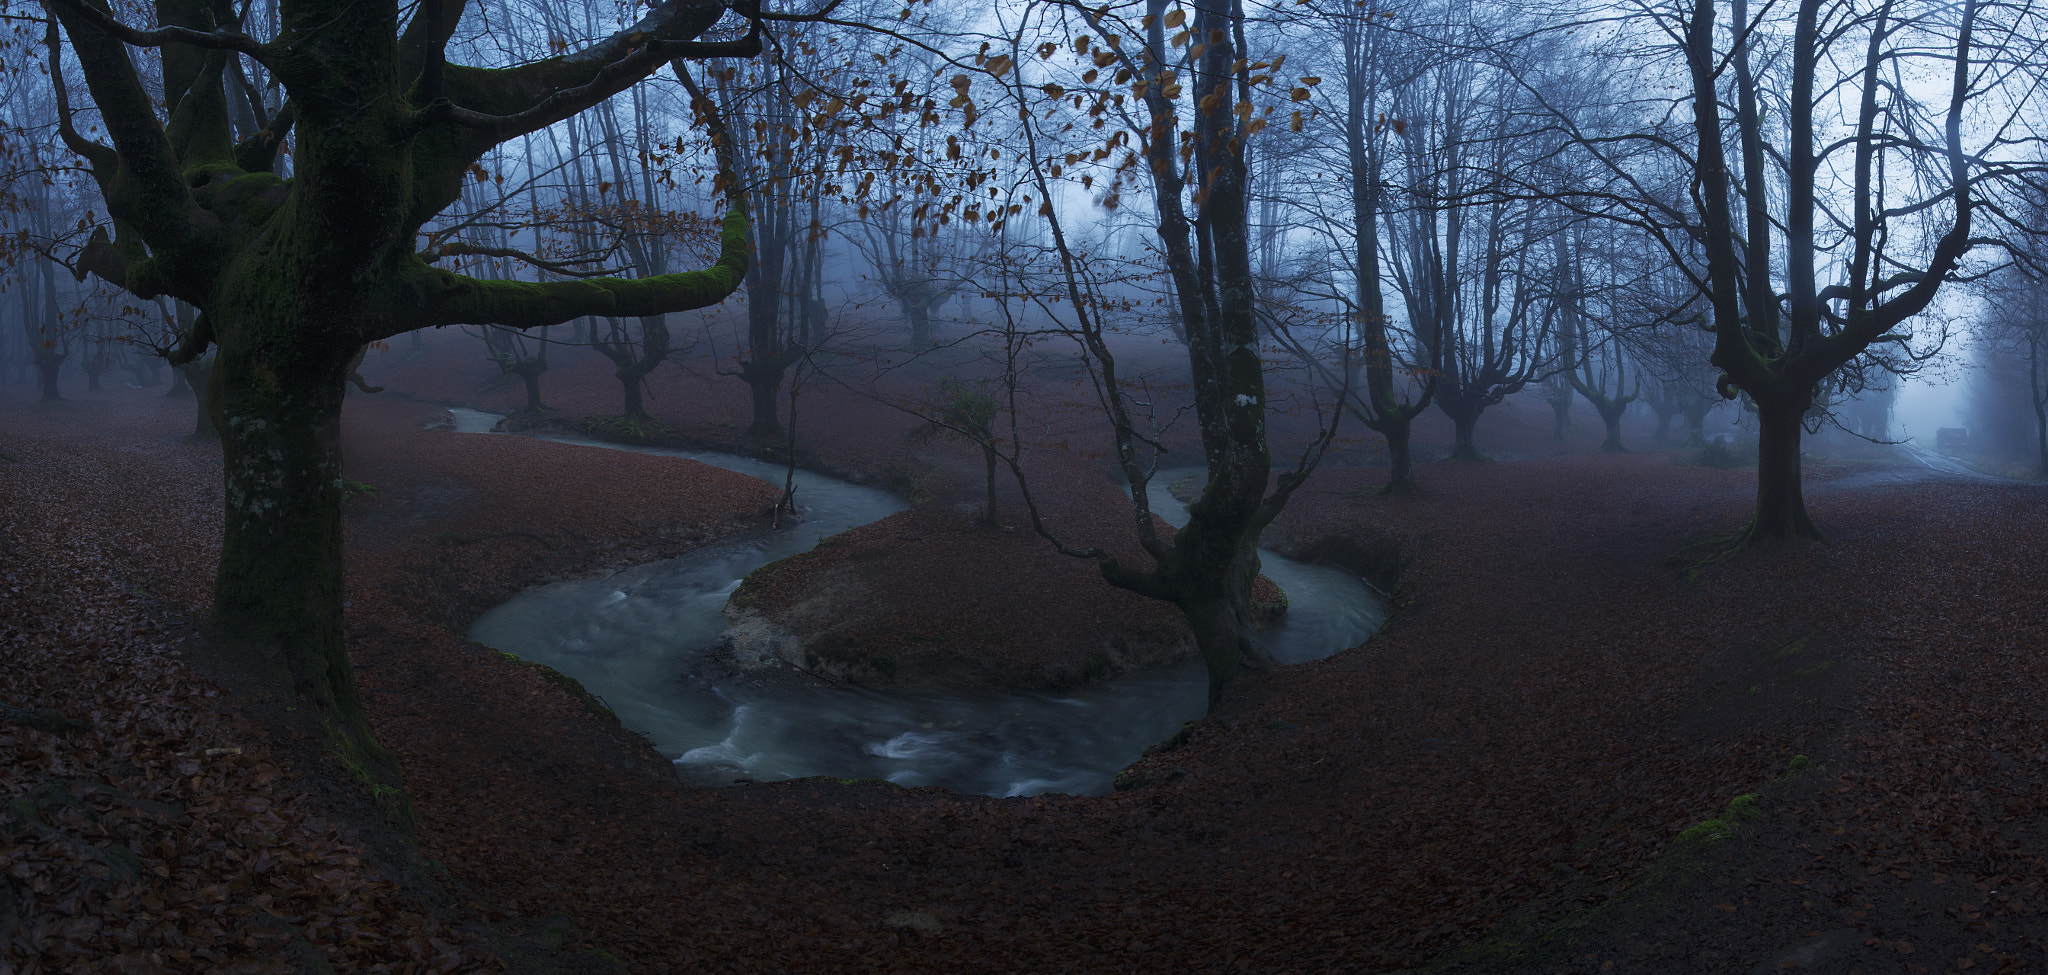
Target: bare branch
(222,40)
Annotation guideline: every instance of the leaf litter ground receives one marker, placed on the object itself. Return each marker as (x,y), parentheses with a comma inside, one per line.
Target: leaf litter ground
(1497,783)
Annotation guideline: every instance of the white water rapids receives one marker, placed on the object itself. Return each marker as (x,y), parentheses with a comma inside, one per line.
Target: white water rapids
(635,639)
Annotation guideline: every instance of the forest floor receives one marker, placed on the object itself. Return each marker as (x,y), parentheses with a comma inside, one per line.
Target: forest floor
(1565,754)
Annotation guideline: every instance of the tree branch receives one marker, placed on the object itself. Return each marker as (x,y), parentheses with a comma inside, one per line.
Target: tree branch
(454,299)
(147,167)
(461,249)
(99,156)
(193,343)
(821,15)
(258,152)
(218,40)
(503,104)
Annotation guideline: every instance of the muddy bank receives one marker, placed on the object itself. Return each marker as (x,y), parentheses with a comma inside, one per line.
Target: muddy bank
(928,598)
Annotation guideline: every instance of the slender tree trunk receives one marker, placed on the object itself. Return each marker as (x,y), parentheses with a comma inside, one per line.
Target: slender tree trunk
(764,364)
(2040,403)
(1463,421)
(1780,497)
(763,377)
(47,365)
(531,377)
(1207,569)
(630,377)
(1610,415)
(2041,433)
(42,340)
(988,514)
(199,378)
(1400,456)
(1696,423)
(1560,415)
(1663,434)
(920,317)
(147,370)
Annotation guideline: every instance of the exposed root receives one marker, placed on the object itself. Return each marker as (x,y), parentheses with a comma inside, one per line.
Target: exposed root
(1696,558)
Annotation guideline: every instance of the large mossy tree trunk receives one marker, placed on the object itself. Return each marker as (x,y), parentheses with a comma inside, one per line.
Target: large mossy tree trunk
(293,276)
(278,592)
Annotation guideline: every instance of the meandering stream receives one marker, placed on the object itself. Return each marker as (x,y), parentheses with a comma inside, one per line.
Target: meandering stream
(636,640)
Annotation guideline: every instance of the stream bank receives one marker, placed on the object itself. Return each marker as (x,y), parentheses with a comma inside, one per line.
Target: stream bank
(653,643)
(1505,745)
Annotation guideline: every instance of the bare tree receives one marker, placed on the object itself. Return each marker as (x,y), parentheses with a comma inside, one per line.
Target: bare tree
(2018,306)
(1812,193)
(781,152)
(1183,88)
(1353,129)
(1460,249)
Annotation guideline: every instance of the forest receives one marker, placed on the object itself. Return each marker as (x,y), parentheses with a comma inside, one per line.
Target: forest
(1167,485)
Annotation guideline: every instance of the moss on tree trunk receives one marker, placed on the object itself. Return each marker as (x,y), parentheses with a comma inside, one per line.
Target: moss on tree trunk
(277,596)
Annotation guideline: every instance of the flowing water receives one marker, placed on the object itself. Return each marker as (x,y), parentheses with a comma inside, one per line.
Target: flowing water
(637,639)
